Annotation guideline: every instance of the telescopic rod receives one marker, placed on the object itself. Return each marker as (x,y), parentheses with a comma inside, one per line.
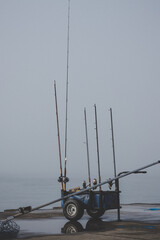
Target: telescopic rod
(114,158)
(67,76)
(99,174)
(58,134)
(86,130)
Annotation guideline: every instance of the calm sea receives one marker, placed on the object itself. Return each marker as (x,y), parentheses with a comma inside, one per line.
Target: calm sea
(24,191)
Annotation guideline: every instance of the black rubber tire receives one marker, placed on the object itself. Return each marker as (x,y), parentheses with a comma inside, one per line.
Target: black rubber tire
(73,210)
(95,213)
(72,227)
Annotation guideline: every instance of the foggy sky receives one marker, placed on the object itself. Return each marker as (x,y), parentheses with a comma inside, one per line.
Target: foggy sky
(113,62)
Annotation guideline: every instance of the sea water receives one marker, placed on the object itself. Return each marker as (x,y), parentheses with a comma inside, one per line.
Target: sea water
(33,191)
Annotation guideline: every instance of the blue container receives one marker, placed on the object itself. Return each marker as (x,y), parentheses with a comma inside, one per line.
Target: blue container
(97,199)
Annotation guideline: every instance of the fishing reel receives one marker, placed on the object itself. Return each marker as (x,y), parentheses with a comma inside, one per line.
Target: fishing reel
(63,179)
(24,210)
(110,183)
(84,184)
(94,183)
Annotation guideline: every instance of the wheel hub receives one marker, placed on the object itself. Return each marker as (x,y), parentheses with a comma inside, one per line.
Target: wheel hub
(71,210)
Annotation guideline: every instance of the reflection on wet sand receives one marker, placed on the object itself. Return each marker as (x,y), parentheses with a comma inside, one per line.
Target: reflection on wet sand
(94,226)
(135,217)
(97,225)
(91,226)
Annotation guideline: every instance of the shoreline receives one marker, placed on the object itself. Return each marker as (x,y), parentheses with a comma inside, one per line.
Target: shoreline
(58,211)
(138,221)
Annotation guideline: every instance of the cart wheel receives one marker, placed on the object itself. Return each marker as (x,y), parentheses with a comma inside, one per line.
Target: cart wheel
(72,227)
(73,210)
(95,213)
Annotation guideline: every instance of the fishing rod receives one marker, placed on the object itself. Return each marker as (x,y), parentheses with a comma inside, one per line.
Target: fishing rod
(99,174)
(76,193)
(114,158)
(85,118)
(114,163)
(58,134)
(67,77)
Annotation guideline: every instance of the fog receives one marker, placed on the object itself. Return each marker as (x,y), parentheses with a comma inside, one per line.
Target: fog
(114,60)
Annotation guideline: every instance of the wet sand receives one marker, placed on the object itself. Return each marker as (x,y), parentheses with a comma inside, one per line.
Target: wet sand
(138,221)
(123,231)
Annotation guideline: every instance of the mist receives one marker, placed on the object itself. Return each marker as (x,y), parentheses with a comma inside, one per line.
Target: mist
(114,60)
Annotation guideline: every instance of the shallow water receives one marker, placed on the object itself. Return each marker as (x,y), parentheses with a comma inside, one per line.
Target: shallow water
(60,225)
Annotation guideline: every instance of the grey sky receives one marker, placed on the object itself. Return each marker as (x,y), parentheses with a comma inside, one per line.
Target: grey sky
(114,62)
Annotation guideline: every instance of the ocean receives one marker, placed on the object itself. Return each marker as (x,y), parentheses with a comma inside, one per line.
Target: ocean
(16,191)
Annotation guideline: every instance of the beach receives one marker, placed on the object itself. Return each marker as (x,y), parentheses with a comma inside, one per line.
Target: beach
(138,221)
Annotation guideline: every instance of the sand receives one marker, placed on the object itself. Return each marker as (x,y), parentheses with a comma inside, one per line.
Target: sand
(138,221)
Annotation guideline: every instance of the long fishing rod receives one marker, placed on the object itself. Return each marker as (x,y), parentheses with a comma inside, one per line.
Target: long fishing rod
(114,157)
(114,163)
(66,125)
(89,176)
(99,174)
(58,133)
